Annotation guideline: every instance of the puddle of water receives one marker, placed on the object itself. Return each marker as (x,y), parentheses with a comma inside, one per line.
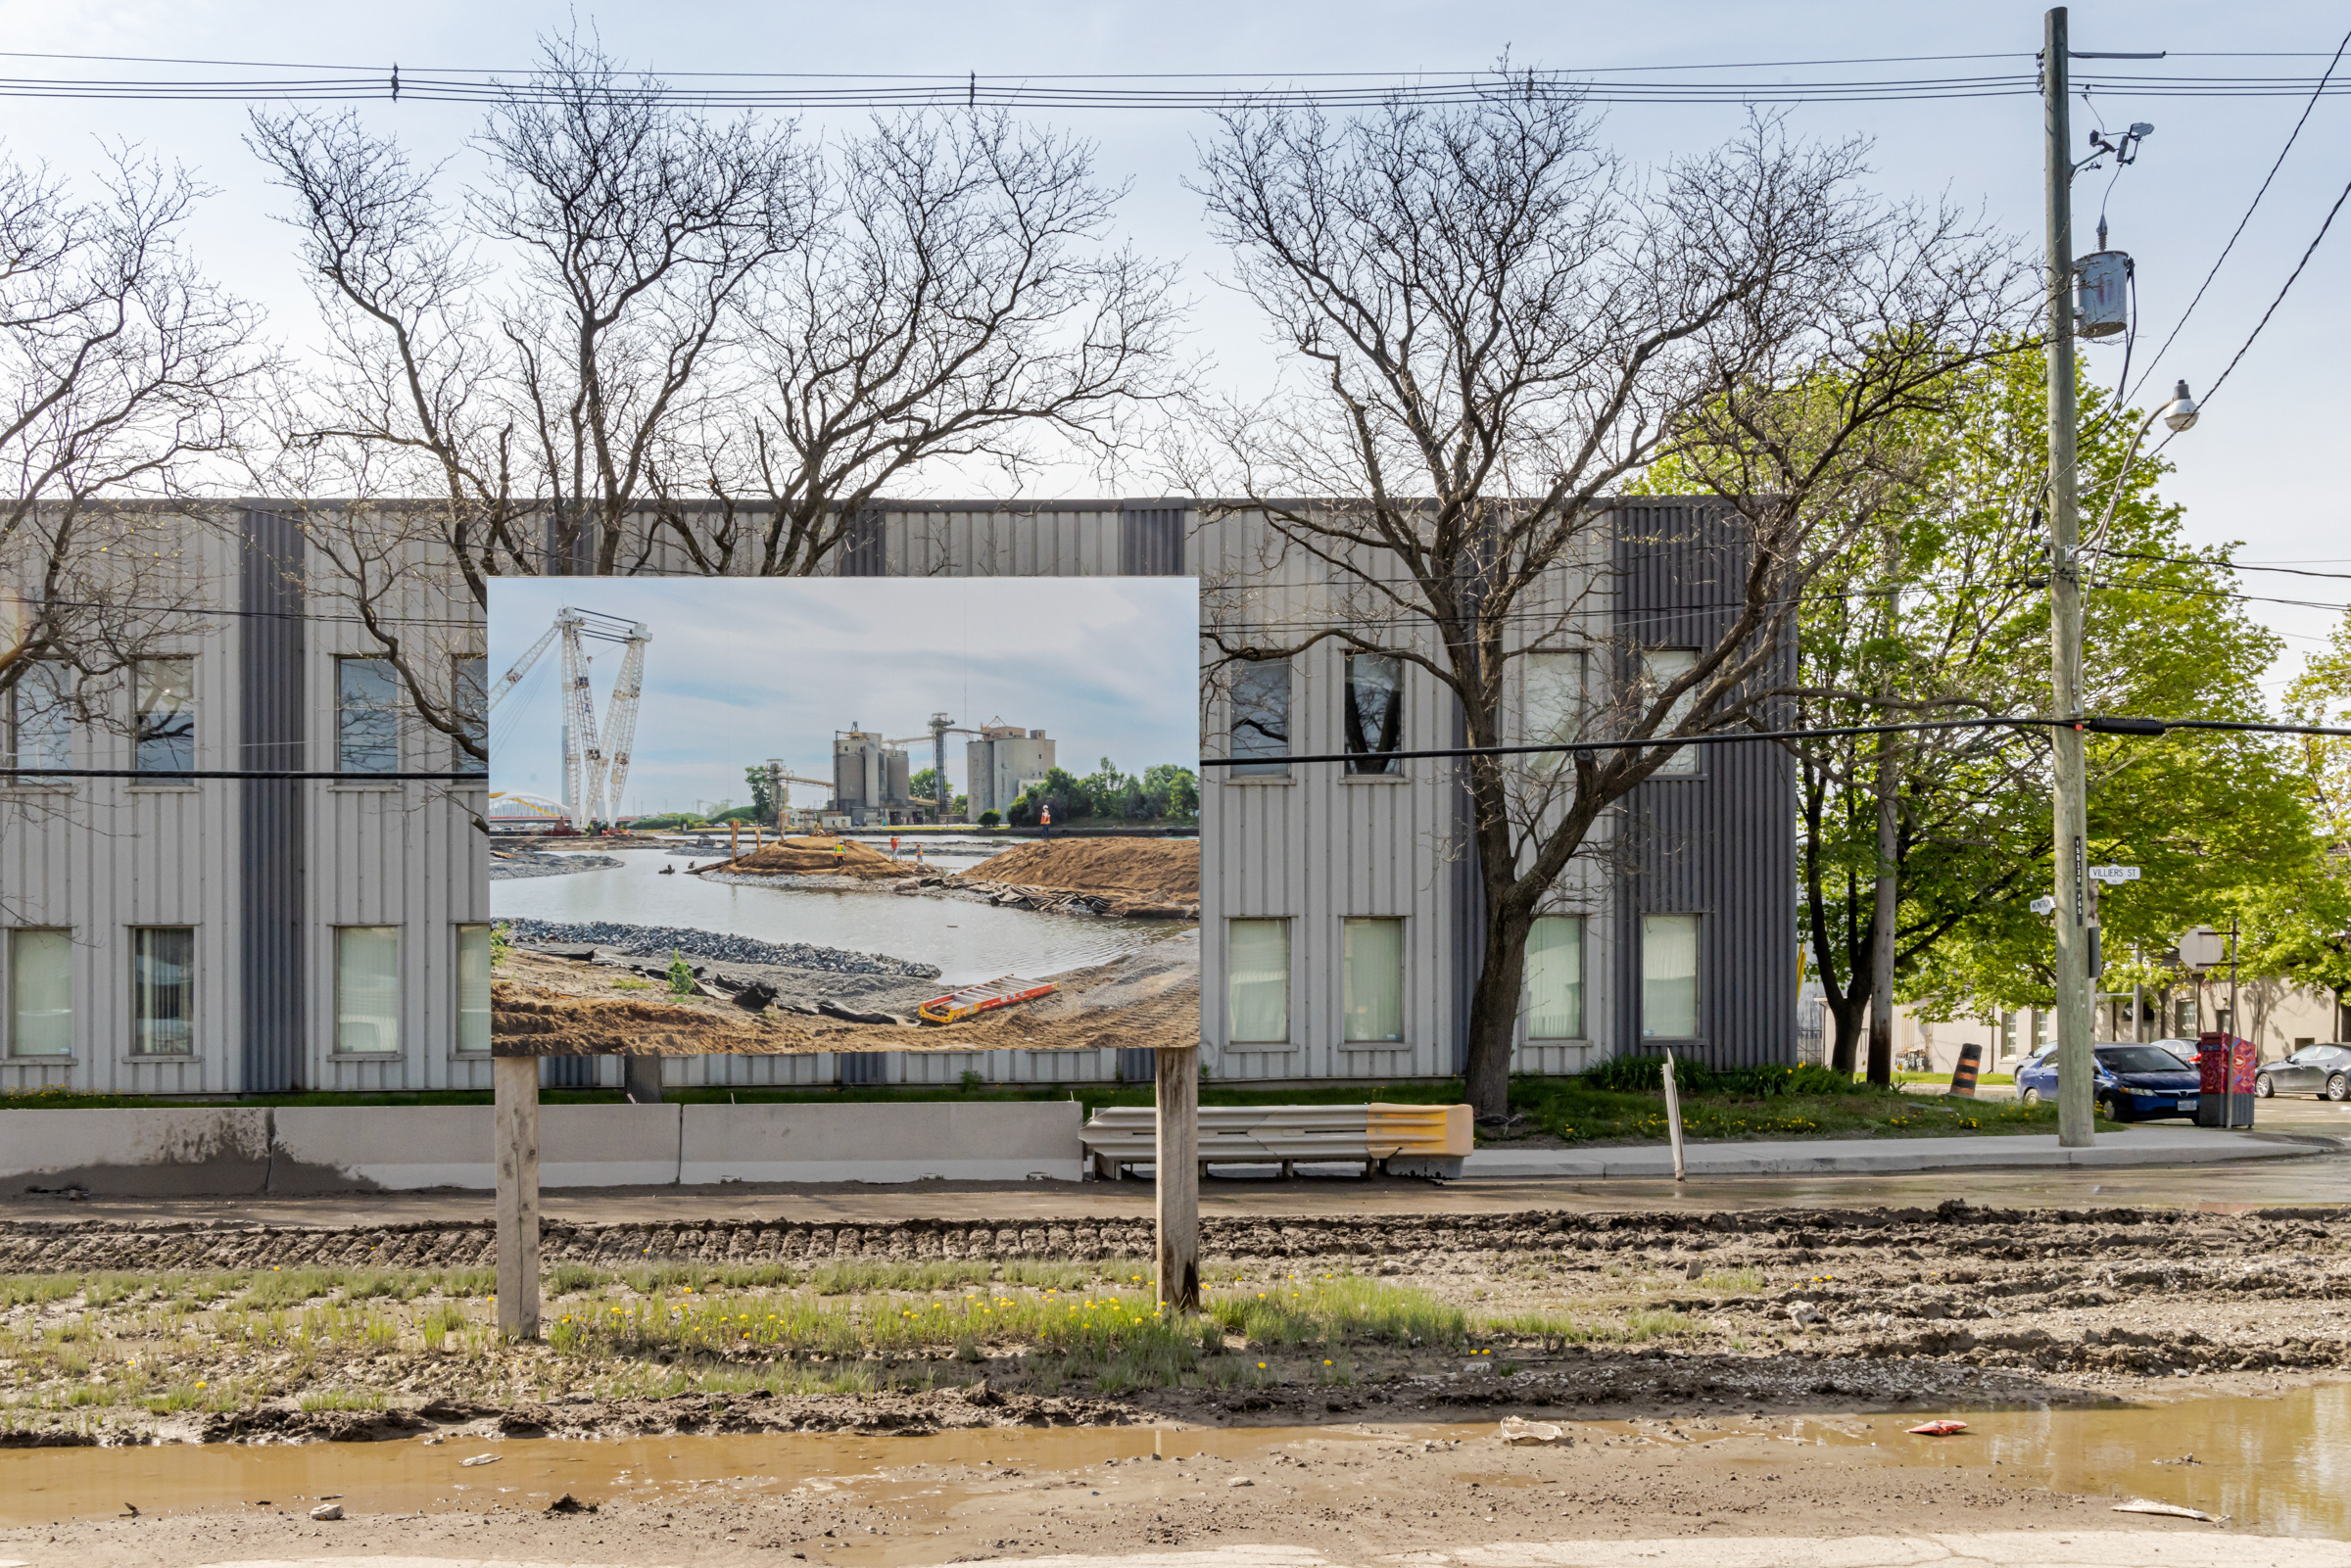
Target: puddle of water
(2280,1464)
(967,941)
(39,1486)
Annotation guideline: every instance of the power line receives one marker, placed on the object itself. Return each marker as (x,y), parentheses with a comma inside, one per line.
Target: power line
(1134,90)
(2095,724)
(152,775)
(2238,232)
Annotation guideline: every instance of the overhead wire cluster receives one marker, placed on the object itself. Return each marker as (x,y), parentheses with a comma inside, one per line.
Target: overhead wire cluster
(1994,76)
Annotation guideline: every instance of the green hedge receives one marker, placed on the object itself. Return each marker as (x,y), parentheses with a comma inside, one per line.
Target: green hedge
(1639,1072)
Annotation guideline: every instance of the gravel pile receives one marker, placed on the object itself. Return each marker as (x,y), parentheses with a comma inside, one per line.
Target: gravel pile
(657,942)
(530,864)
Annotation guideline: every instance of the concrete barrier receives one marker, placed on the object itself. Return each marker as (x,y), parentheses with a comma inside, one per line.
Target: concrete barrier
(982,1140)
(231,1151)
(195,1151)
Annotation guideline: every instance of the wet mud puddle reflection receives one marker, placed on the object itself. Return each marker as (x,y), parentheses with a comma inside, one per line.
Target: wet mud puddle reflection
(2276,1464)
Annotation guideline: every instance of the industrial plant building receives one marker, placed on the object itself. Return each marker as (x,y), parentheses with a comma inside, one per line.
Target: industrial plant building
(1001,765)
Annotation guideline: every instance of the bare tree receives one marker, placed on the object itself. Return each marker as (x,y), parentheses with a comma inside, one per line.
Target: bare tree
(955,301)
(642,328)
(124,371)
(1503,328)
(536,346)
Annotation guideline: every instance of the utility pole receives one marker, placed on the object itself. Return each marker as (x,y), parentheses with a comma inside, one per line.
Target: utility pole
(2075,1071)
(1881,954)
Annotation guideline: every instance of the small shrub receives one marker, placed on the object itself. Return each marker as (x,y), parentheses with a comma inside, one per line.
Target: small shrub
(681,975)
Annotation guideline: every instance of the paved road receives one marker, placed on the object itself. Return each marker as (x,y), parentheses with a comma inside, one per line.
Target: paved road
(2320,1179)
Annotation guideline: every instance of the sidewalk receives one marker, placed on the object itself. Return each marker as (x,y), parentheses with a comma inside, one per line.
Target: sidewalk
(2144,1145)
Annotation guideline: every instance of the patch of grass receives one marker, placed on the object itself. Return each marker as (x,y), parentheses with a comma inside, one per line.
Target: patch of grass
(1570,1110)
(630,985)
(1554,1329)
(1733,1281)
(1337,1310)
(342,1398)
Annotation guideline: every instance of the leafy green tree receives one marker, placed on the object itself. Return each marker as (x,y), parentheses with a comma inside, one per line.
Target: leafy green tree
(925,784)
(763,803)
(1939,610)
(1171,791)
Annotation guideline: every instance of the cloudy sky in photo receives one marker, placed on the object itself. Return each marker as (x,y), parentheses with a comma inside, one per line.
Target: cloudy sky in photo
(740,670)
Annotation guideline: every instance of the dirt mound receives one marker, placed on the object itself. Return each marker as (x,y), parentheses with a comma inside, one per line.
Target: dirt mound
(822,856)
(553,1025)
(1153,871)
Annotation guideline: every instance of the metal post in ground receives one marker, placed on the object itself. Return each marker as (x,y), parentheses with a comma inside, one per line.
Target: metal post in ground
(1176,1191)
(514,1084)
(1674,1114)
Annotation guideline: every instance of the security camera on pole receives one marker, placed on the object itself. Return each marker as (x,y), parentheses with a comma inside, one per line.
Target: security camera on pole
(2101,293)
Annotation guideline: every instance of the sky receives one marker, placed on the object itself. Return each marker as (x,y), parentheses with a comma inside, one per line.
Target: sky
(740,670)
(2252,471)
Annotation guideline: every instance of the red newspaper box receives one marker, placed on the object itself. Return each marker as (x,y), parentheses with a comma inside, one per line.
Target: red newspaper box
(2224,1068)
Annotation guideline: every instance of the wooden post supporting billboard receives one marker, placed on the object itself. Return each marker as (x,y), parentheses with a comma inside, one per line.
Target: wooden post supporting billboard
(1177,1189)
(515,1082)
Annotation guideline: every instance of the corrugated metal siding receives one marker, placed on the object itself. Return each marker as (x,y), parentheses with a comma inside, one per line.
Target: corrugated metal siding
(270,873)
(1151,541)
(1720,843)
(108,854)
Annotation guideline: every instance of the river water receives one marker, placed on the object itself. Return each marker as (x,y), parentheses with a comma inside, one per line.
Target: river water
(968,941)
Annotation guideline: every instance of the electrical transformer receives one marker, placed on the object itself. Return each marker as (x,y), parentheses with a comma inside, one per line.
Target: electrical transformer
(2101,308)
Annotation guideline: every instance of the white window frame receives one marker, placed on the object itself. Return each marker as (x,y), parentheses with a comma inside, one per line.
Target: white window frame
(193,1014)
(1581,983)
(194,712)
(342,1015)
(1567,726)
(1289,997)
(10,995)
(1697,978)
(1347,1034)
(1262,766)
(343,662)
(1663,667)
(464,930)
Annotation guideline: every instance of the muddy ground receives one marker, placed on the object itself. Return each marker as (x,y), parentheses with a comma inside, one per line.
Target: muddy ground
(1364,1493)
(1622,1315)
(1146,998)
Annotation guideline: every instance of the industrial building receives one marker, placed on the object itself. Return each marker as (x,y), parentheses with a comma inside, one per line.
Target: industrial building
(1000,766)
(173,934)
(871,778)
(248,935)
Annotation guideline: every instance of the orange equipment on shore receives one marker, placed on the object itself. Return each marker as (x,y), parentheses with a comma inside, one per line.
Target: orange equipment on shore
(984,997)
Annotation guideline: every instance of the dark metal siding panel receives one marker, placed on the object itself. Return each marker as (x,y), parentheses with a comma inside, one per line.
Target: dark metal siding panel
(1720,845)
(864,546)
(1151,541)
(270,869)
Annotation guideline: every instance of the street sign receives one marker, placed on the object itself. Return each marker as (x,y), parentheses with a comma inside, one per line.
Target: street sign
(2045,906)
(2114,873)
(2204,948)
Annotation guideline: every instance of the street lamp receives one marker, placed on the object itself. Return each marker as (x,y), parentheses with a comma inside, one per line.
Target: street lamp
(2181,412)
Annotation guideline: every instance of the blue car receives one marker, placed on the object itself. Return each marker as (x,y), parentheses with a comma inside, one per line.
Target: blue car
(2135,1082)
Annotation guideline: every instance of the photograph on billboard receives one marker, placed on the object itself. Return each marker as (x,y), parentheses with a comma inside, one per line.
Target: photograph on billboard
(807,831)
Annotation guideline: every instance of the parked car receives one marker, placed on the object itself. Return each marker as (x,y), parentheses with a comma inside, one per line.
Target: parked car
(2134,1081)
(2320,1069)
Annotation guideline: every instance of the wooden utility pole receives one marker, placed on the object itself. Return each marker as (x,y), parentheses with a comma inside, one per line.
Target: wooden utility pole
(1178,1188)
(1889,900)
(2068,807)
(515,1081)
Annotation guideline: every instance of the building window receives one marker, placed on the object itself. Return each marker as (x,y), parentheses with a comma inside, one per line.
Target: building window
(366,988)
(470,690)
(39,715)
(1551,703)
(162,990)
(1670,977)
(1375,710)
(1261,717)
(1554,979)
(1372,962)
(1257,962)
(366,716)
(473,989)
(165,735)
(1666,666)
(40,992)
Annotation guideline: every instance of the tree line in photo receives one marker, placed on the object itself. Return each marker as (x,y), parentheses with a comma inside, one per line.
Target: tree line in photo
(630,337)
